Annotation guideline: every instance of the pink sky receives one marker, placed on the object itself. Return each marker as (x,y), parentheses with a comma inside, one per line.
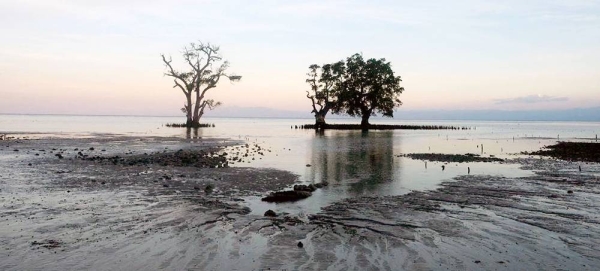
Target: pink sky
(81,57)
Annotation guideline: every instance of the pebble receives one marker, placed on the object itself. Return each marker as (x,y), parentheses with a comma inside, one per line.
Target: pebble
(270,213)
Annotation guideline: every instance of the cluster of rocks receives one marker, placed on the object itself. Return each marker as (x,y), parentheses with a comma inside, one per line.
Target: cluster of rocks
(246,153)
(299,192)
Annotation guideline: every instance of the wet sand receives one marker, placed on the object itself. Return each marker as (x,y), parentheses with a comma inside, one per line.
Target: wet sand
(72,214)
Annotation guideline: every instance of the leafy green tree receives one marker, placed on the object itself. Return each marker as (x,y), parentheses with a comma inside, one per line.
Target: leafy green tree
(325,83)
(369,87)
(205,69)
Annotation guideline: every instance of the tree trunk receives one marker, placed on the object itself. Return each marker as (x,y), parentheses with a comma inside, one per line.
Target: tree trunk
(319,120)
(365,121)
(188,112)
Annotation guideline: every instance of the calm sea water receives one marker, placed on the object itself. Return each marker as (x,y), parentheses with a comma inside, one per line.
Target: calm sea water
(355,163)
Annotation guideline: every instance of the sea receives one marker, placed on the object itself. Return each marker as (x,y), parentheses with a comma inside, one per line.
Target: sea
(353,163)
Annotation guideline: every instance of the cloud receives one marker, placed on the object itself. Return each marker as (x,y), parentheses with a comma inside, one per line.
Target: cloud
(531,99)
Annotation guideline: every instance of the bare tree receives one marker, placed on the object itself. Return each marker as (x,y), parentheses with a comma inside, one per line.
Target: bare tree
(206,67)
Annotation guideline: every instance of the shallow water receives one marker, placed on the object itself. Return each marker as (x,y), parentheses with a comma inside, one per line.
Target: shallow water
(354,163)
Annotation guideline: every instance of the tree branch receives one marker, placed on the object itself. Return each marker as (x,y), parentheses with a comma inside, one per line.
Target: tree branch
(174,74)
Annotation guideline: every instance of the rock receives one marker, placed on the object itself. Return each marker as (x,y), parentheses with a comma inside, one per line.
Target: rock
(209,188)
(321,184)
(302,187)
(300,245)
(270,213)
(285,196)
(308,165)
(570,191)
(92,148)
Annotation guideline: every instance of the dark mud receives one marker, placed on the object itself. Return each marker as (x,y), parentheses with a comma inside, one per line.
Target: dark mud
(474,223)
(452,158)
(572,151)
(72,213)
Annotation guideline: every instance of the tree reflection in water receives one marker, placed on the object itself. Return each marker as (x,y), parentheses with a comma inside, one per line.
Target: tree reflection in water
(193,133)
(361,160)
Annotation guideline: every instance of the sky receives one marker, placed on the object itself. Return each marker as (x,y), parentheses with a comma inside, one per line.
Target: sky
(103,57)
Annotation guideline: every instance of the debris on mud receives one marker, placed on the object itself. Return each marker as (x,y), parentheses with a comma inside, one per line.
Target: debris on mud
(49,244)
(571,151)
(451,158)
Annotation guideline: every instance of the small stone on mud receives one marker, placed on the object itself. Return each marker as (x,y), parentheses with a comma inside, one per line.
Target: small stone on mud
(321,184)
(286,196)
(209,188)
(308,165)
(302,187)
(165,185)
(570,191)
(478,261)
(300,245)
(270,213)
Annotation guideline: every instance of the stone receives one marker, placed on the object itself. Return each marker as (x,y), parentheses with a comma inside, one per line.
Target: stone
(270,213)
(302,187)
(285,196)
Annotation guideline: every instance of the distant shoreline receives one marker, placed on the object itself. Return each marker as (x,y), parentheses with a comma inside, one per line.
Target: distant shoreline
(590,114)
(398,119)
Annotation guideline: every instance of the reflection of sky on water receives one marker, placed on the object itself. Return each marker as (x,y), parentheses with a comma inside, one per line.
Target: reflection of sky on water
(354,163)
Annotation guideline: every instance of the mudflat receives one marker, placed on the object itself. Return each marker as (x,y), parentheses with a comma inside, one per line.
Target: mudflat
(126,203)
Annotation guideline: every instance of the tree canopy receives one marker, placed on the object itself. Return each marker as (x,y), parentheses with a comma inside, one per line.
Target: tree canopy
(369,87)
(325,84)
(354,87)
